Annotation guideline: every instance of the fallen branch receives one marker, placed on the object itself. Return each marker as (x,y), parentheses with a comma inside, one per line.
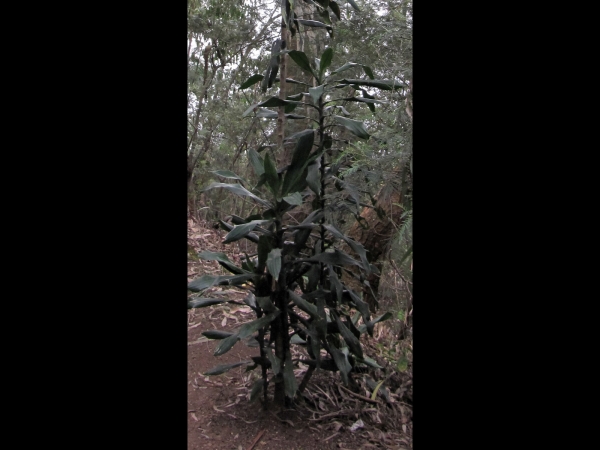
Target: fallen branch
(256,440)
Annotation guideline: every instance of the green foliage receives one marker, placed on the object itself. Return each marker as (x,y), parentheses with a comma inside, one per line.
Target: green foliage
(294,283)
(361,140)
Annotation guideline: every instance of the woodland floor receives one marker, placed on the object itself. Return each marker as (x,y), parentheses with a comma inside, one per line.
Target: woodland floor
(221,417)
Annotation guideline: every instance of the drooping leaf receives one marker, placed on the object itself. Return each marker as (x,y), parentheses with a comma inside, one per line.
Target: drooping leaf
(340,107)
(295,339)
(204,302)
(228,174)
(313,23)
(370,362)
(313,179)
(250,81)
(341,360)
(266,113)
(271,174)
(289,380)
(240,231)
(217,334)
(263,248)
(226,367)
(294,198)
(351,340)
(386,85)
(360,305)
(248,328)
(336,257)
(206,281)
(304,305)
(274,62)
(238,190)
(369,72)
(355,246)
(299,160)
(370,324)
(346,66)
(256,161)
(292,81)
(316,92)
(226,344)
(354,126)
(222,259)
(354,5)
(266,304)
(227,227)
(326,58)
(360,99)
(302,61)
(336,285)
(275,361)
(270,102)
(257,387)
(252,342)
(335,8)
(250,300)
(202,283)
(274,262)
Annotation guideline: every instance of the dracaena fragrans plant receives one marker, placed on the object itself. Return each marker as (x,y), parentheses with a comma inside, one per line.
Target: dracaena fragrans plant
(294,279)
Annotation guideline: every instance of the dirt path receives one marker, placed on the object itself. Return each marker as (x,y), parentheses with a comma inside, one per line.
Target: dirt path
(221,417)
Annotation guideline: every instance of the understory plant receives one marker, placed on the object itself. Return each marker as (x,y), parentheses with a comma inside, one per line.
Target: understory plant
(294,279)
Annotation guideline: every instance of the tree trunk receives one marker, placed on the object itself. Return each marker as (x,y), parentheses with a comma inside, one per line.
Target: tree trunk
(375,231)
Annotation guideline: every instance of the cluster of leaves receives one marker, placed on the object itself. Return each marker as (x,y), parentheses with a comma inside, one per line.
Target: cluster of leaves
(294,278)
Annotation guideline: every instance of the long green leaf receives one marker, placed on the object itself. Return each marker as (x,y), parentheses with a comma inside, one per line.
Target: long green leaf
(336,257)
(299,160)
(313,23)
(249,328)
(206,281)
(274,262)
(326,59)
(250,81)
(239,190)
(228,174)
(222,259)
(275,361)
(369,325)
(313,179)
(226,367)
(217,334)
(316,92)
(289,380)
(341,361)
(256,389)
(354,126)
(302,61)
(292,81)
(355,246)
(240,231)
(386,85)
(256,161)
(304,305)
(351,340)
(336,9)
(293,199)
(202,283)
(272,176)
(226,344)
(204,302)
(270,102)
(354,5)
